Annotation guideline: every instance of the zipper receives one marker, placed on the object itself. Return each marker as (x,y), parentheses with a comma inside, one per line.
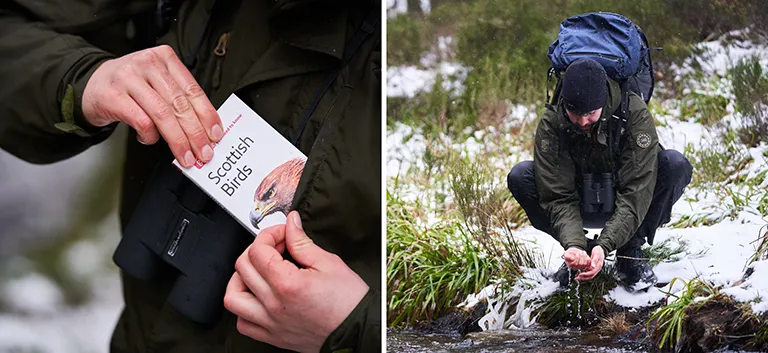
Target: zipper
(220,51)
(602,55)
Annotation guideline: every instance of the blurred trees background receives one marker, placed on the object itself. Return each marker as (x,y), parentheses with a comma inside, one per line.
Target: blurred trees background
(505,42)
(58,230)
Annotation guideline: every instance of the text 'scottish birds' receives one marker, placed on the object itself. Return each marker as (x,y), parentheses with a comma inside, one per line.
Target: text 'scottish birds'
(254,171)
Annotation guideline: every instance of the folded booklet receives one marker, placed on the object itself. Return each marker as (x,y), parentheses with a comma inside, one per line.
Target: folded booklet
(254,171)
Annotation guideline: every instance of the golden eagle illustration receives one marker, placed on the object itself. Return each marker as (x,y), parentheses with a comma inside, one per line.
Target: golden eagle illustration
(275,193)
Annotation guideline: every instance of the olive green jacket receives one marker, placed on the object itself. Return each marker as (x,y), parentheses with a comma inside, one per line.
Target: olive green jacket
(277,56)
(561,155)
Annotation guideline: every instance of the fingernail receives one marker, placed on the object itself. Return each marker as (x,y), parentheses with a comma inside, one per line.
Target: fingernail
(140,139)
(207,153)
(189,159)
(216,132)
(297,219)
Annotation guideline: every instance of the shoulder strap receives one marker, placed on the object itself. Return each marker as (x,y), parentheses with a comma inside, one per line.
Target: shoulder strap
(552,99)
(368,28)
(617,126)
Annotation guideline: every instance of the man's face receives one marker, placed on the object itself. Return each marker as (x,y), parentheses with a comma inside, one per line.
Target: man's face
(585,121)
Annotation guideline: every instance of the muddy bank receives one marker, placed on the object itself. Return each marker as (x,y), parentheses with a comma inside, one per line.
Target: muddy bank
(719,324)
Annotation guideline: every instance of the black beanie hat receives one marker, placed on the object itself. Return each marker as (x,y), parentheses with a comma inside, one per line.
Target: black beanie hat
(584,86)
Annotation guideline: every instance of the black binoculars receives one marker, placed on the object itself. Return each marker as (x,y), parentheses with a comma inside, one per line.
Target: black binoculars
(597,194)
(178,232)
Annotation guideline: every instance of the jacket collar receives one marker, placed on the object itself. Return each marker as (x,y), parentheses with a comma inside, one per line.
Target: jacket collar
(320,26)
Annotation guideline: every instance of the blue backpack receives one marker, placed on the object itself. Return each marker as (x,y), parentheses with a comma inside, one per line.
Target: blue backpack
(613,41)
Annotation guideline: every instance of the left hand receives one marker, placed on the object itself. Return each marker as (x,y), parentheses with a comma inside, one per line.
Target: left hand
(286,306)
(595,265)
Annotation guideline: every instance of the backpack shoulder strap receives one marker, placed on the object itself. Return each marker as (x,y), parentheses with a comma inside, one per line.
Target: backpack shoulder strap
(618,124)
(552,99)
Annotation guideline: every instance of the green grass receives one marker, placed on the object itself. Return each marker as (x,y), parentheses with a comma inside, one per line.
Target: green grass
(489,213)
(705,109)
(408,37)
(720,160)
(761,338)
(668,250)
(581,305)
(464,195)
(761,252)
(97,201)
(430,269)
(688,221)
(670,318)
(750,87)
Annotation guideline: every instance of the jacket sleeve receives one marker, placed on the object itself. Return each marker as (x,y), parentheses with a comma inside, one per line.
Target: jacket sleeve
(636,179)
(361,330)
(43,75)
(556,184)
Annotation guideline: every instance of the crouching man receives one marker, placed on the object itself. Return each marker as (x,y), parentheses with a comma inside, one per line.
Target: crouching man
(593,170)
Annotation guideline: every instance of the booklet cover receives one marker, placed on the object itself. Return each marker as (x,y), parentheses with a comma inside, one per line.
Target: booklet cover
(254,172)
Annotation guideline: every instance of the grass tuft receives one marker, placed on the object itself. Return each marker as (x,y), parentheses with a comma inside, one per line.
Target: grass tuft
(670,318)
(430,269)
(581,305)
(615,324)
(750,86)
(668,250)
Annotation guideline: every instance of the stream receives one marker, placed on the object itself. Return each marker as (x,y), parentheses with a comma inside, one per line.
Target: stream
(511,341)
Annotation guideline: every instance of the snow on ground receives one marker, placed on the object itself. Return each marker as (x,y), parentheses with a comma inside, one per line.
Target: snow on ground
(406,81)
(34,317)
(719,58)
(396,7)
(716,253)
(85,329)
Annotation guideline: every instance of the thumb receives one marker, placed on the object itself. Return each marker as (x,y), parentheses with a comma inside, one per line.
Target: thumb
(299,245)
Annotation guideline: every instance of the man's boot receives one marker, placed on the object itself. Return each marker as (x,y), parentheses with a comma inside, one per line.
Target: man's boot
(634,275)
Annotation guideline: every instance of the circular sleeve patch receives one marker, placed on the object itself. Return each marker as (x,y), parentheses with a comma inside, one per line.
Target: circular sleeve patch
(643,140)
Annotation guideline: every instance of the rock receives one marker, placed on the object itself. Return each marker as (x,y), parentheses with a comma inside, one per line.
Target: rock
(461,321)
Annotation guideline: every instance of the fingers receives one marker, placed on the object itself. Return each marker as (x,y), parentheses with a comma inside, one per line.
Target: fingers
(583,260)
(164,119)
(154,93)
(244,304)
(300,246)
(576,258)
(275,239)
(268,261)
(202,107)
(589,274)
(595,265)
(254,331)
(161,80)
(568,256)
(236,284)
(131,113)
(253,280)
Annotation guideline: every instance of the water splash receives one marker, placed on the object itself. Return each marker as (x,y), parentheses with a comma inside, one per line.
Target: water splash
(529,292)
(578,300)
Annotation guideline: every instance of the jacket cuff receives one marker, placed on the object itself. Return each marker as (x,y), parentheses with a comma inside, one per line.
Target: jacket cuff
(569,245)
(71,96)
(360,331)
(575,238)
(605,243)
